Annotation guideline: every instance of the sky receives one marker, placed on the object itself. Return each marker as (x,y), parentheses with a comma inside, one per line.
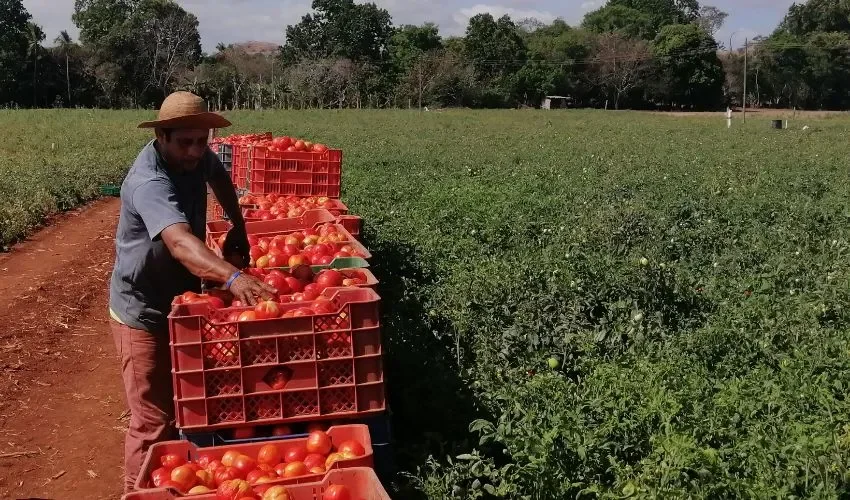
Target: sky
(232,21)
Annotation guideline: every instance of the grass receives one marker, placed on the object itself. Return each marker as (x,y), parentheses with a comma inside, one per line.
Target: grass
(691,282)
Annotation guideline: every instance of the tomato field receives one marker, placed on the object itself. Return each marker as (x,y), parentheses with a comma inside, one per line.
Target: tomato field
(575,304)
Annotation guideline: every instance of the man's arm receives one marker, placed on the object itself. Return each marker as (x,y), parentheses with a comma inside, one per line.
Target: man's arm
(203,263)
(157,203)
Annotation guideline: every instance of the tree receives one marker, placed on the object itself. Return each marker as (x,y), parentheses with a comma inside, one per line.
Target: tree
(493,47)
(688,66)
(662,12)
(64,46)
(166,42)
(97,19)
(827,70)
(711,19)
(626,21)
(339,29)
(619,64)
(555,53)
(14,20)
(409,43)
(34,38)
(817,16)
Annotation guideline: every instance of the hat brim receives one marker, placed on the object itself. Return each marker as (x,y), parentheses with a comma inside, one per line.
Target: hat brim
(198,121)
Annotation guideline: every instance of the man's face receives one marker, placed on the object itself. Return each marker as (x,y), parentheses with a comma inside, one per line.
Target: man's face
(185,148)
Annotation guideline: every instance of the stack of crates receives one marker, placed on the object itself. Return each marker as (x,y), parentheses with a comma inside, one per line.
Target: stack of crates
(223,371)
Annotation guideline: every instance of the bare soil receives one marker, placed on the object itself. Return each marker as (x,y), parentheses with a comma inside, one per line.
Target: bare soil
(62,416)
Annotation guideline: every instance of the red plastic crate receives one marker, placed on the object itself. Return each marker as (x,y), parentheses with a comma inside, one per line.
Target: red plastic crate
(361,481)
(276,227)
(334,362)
(338,434)
(300,174)
(310,219)
(352,223)
(241,166)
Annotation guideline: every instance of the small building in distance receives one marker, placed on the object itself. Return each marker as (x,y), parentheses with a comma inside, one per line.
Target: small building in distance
(556,102)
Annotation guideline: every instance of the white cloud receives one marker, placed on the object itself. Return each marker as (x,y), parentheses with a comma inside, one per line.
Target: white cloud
(592,4)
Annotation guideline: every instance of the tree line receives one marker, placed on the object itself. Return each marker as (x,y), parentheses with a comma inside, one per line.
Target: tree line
(647,54)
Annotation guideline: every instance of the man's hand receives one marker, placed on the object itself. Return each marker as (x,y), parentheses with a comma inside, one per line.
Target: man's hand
(236,248)
(247,288)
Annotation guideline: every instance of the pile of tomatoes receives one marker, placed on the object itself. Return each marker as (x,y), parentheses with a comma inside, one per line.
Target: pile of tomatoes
(242,139)
(288,144)
(276,144)
(299,284)
(233,474)
(312,246)
(274,206)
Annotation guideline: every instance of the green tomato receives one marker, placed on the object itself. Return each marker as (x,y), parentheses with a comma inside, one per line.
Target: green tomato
(553,363)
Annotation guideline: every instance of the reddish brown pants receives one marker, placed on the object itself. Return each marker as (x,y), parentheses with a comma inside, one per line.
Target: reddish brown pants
(146,369)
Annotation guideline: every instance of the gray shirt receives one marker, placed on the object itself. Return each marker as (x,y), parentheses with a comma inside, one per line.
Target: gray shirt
(146,278)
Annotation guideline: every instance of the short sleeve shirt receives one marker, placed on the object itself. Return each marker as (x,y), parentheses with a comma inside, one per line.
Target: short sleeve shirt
(146,278)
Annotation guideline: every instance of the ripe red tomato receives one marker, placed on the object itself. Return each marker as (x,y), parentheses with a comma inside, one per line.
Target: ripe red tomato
(295,454)
(300,145)
(279,283)
(281,430)
(316,426)
(279,260)
(332,459)
(244,433)
(311,291)
(204,460)
(320,148)
(303,273)
(247,316)
(295,469)
(276,493)
(160,476)
(233,490)
(224,474)
(269,454)
(319,442)
(244,464)
(323,306)
(304,311)
(277,380)
(314,460)
(213,466)
(341,255)
(353,447)
(256,252)
(267,310)
(172,460)
(337,492)
(204,478)
(230,456)
(299,260)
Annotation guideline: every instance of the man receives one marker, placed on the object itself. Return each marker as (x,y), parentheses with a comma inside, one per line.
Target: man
(160,253)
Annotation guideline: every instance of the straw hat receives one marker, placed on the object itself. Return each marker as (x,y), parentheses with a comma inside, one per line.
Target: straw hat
(186,110)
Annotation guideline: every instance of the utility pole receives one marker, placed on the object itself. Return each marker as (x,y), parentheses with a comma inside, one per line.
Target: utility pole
(744,100)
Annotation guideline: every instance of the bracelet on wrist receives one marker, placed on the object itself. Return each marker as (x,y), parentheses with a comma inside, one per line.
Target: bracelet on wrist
(232,279)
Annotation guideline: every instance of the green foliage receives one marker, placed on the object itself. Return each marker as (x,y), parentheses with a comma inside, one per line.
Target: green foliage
(339,28)
(662,12)
(14,23)
(688,64)
(817,15)
(620,19)
(691,280)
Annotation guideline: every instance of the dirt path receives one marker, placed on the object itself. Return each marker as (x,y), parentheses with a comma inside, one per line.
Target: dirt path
(62,400)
